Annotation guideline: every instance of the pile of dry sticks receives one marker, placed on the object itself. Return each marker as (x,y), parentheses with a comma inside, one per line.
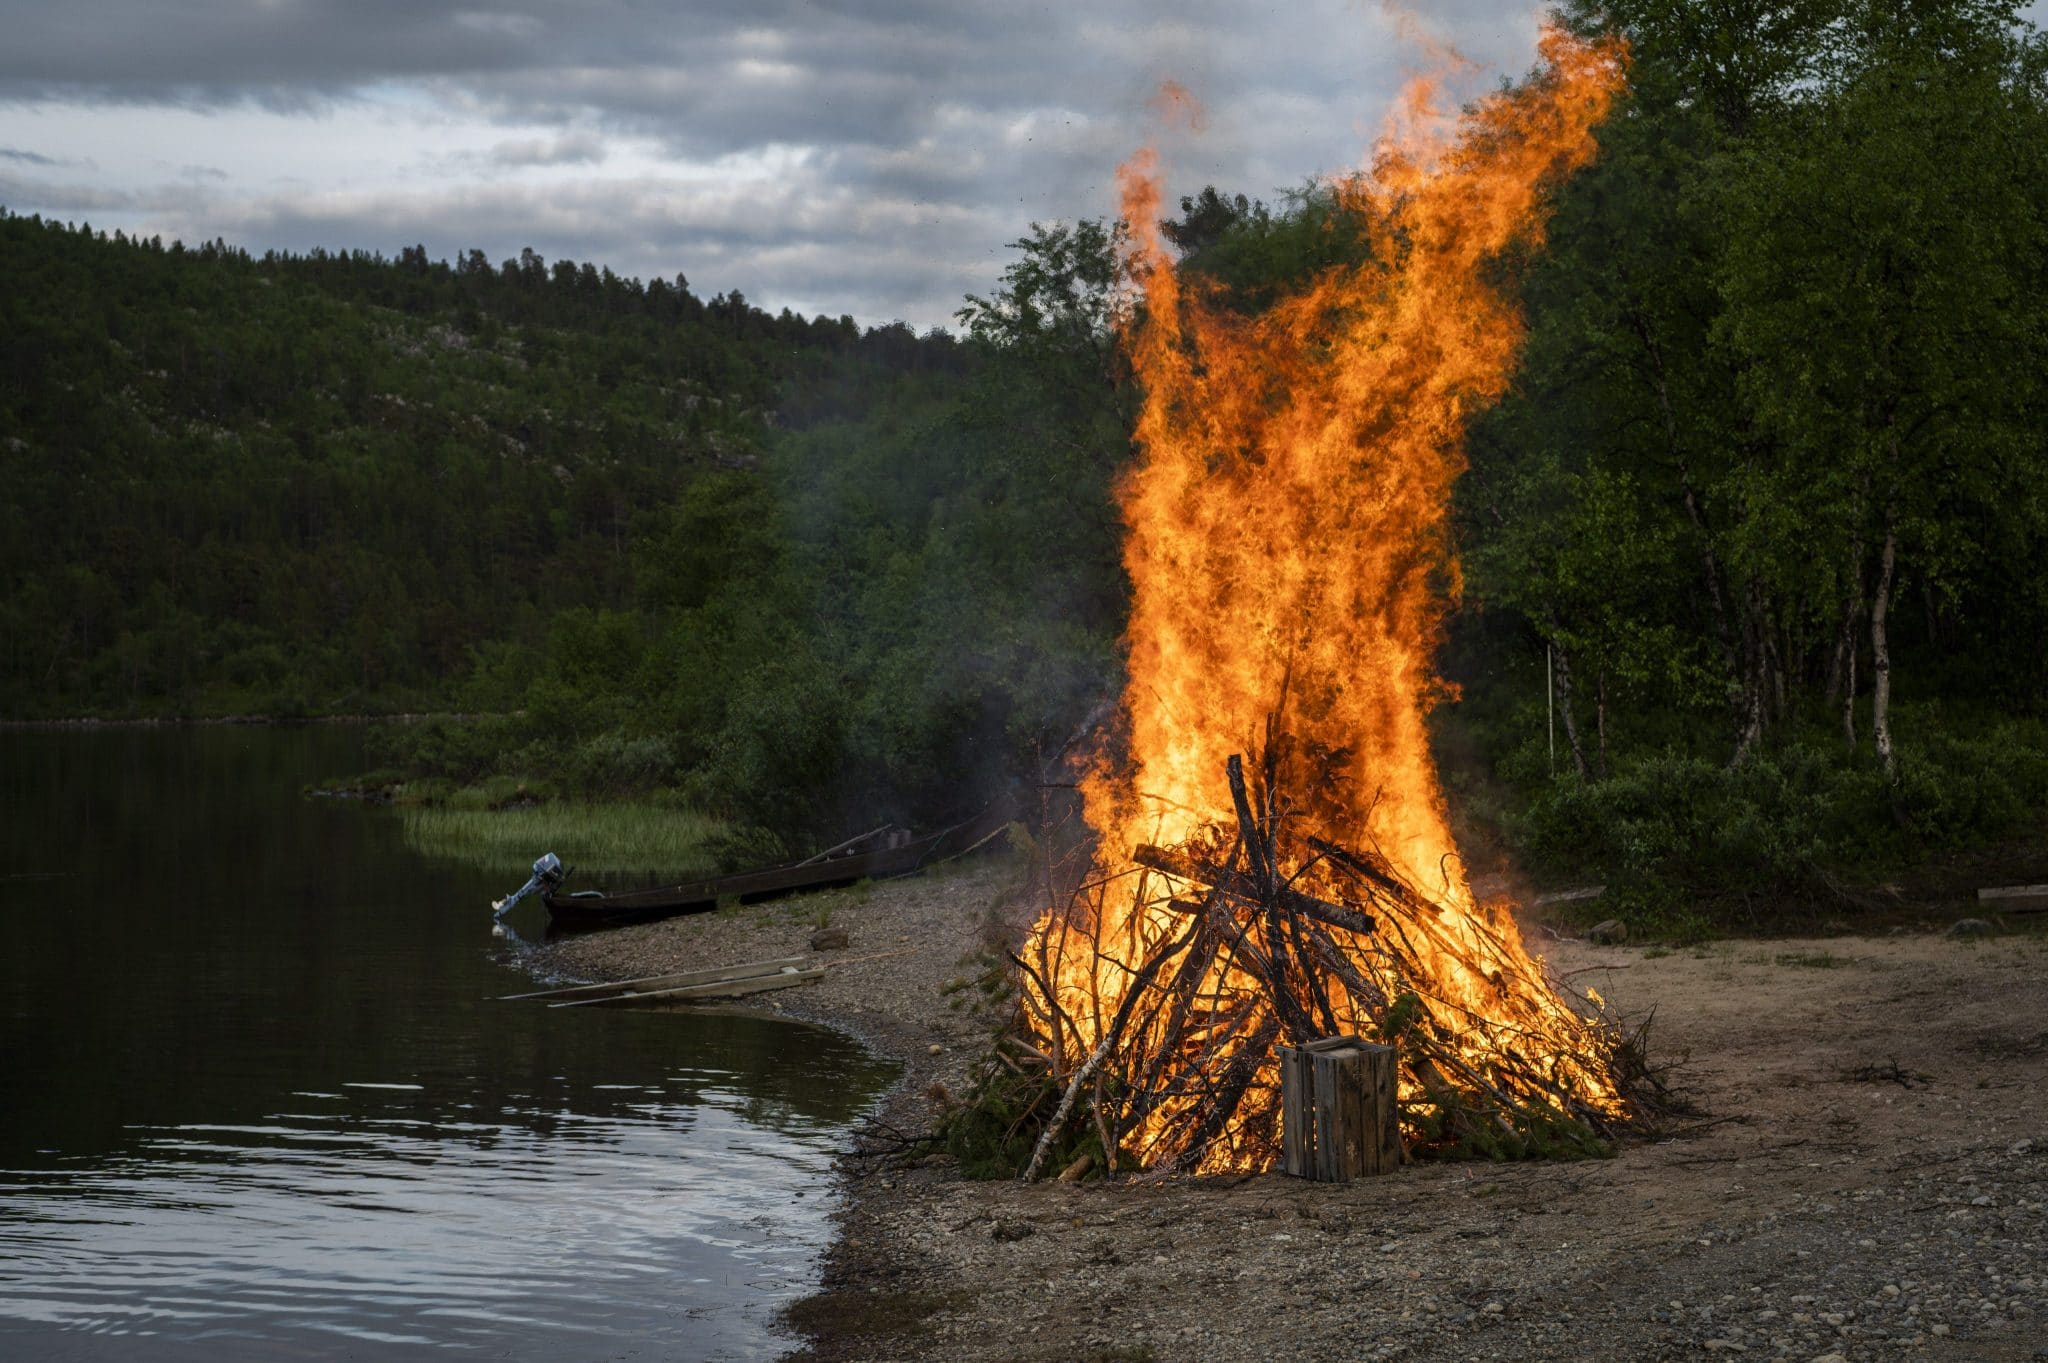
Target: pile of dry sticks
(1225,955)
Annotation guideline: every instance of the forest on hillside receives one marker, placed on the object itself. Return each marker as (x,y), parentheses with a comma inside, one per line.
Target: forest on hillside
(1762,514)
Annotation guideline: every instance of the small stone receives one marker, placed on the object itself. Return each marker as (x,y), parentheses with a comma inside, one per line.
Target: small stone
(1008,1231)
(1829,1358)
(1608,932)
(1968,927)
(2021,1148)
(1726,1346)
(1493,1308)
(937,1049)
(829,939)
(1938,1331)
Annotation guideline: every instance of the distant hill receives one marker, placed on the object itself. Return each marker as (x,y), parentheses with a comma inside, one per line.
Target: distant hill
(310,484)
(791,567)
(1750,549)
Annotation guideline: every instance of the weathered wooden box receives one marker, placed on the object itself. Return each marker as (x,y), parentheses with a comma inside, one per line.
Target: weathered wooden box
(1338,1114)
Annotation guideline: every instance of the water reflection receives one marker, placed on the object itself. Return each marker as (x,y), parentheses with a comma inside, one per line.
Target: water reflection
(260,1102)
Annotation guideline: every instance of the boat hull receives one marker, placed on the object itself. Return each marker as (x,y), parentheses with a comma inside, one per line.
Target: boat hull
(595,909)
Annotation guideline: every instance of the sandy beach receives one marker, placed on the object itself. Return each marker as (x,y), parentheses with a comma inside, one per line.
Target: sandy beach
(1865,1174)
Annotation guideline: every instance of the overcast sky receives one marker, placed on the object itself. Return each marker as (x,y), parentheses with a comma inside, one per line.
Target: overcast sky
(862,156)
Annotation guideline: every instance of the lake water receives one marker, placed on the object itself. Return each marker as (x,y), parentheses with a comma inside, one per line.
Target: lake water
(257,1099)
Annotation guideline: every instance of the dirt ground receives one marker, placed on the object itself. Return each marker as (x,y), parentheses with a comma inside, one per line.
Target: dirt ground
(1867,1176)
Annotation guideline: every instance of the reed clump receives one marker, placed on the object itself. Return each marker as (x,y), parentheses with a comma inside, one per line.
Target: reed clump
(600,839)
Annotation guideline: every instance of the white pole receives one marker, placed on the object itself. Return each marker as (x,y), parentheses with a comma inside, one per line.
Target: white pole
(1550,701)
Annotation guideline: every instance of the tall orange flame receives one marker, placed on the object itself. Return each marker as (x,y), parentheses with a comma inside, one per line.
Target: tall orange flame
(1287,539)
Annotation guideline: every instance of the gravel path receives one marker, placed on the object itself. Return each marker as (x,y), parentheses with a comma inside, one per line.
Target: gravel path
(1867,1178)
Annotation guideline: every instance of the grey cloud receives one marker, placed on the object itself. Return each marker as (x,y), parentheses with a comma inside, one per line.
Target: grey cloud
(199,50)
(40,196)
(211,50)
(27,158)
(188,204)
(921,135)
(803,245)
(570,149)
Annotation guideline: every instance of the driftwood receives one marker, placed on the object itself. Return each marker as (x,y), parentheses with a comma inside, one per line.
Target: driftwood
(650,984)
(786,978)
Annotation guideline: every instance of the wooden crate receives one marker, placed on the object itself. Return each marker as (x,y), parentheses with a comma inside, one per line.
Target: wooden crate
(1338,1118)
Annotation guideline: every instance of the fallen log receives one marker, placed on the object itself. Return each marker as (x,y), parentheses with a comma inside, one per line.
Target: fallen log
(1578,896)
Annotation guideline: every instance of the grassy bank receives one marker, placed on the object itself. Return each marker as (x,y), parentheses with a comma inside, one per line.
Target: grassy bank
(594,839)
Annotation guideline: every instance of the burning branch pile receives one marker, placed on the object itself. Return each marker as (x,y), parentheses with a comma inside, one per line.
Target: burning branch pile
(1289,558)
(1261,934)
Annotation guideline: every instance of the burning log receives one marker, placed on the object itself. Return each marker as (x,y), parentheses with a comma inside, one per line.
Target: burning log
(1225,881)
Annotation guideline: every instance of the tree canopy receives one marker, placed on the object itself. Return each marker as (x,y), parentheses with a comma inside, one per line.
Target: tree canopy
(1761,516)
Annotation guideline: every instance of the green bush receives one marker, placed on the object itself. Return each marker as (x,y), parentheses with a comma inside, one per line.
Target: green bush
(1800,822)
(616,763)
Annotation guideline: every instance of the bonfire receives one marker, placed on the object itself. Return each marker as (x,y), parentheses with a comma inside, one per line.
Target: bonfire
(1290,567)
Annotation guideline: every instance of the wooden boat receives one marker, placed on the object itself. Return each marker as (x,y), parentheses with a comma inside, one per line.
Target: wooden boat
(877,855)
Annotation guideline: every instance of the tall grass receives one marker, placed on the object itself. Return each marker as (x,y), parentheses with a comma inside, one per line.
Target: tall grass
(604,839)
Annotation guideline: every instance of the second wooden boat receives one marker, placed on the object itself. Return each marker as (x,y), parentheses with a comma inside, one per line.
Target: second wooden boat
(878,855)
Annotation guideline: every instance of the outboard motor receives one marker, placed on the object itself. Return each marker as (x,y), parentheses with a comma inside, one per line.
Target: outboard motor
(547,873)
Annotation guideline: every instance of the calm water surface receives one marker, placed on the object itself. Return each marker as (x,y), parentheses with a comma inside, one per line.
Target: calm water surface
(256,1100)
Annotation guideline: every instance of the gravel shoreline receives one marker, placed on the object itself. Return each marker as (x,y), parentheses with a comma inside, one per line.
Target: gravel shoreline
(907,942)
(1867,1178)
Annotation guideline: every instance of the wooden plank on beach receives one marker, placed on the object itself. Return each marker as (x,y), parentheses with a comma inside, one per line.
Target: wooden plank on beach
(676,980)
(2006,897)
(720,989)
